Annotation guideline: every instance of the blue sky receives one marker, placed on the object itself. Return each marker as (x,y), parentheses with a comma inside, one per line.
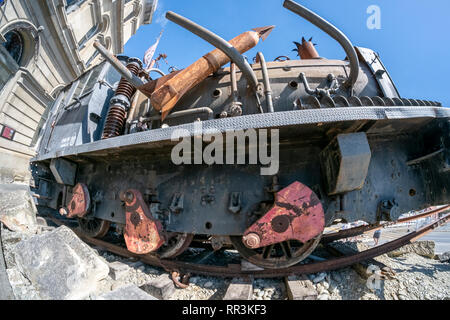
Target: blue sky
(413,41)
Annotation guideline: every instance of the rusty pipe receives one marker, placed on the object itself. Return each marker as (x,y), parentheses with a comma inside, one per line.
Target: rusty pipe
(217,42)
(124,71)
(266,81)
(165,92)
(183,113)
(156,70)
(333,32)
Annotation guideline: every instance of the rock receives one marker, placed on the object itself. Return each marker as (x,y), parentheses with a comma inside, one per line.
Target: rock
(336,277)
(319,278)
(141,268)
(118,270)
(136,264)
(421,248)
(16,278)
(323,296)
(161,288)
(322,290)
(444,257)
(239,289)
(60,265)
(193,280)
(17,208)
(21,286)
(129,292)
(300,288)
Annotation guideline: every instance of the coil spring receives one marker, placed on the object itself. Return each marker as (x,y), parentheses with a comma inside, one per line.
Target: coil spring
(125,88)
(117,113)
(114,122)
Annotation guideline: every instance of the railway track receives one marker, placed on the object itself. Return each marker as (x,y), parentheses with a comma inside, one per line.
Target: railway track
(184,269)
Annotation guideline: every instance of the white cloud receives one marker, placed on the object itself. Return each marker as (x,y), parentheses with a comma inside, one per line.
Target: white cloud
(161,15)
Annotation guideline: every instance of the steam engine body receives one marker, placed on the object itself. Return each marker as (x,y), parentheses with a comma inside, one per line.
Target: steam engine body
(367,154)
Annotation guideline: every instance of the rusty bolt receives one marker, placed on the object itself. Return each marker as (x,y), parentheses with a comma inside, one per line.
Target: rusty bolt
(126,196)
(251,240)
(63,211)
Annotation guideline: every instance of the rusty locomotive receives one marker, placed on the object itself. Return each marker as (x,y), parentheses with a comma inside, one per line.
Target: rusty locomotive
(350,148)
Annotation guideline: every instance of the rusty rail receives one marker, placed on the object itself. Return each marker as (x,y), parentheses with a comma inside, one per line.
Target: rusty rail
(326,238)
(232,271)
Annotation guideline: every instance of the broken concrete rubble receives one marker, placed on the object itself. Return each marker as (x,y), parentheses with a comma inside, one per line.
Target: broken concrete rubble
(6,292)
(17,209)
(60,265)
(300,288)
(443,257)
(162,287)
(118,270)
(23,289)
(129,292)
(421,248)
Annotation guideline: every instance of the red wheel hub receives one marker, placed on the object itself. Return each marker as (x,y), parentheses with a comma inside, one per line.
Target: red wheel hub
(143,233)
(296,215)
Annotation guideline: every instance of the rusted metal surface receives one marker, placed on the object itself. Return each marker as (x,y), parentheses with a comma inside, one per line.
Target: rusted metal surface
(175,245)
(296,215)
(79,204)
(175,278)
(326,238)
(235,270)
(93,227)
(306,49)
(121,102)
(165,94)
(143,233)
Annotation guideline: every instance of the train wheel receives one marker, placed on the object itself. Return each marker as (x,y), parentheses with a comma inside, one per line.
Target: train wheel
(176,245)
(276,256)
(94,228)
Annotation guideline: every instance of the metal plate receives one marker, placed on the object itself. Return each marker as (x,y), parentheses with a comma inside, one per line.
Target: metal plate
(257,121)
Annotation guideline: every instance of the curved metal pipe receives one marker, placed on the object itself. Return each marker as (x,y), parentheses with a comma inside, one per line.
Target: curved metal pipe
(217,42)
(156,70)
(306,84)
(124,72)
(182,113)
(266,80)
(332,31)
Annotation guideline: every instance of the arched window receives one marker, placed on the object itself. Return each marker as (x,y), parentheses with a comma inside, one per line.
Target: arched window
(21,41)
(14,45)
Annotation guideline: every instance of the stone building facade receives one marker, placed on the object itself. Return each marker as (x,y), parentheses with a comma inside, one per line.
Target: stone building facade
(45,45)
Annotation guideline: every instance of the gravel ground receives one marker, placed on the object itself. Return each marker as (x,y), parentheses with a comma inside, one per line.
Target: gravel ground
(416,278)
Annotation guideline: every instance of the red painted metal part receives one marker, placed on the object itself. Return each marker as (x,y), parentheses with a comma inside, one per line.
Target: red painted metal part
(296,215)
(306,50)
(80,203)
(143,233)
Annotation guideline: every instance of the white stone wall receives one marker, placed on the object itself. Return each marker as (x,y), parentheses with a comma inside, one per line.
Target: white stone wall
(53,58)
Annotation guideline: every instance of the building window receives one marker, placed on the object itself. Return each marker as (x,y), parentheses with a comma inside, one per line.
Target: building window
(91,59)
(87,36)
(71,5)
(14,45)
